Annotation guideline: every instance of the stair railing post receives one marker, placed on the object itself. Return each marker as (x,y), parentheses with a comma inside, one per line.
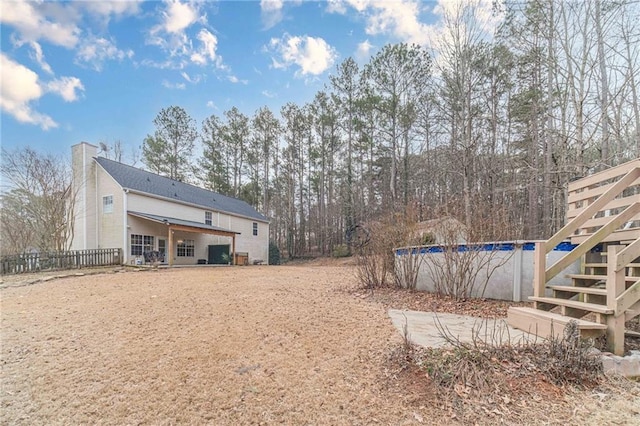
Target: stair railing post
(615,287)
(539,269)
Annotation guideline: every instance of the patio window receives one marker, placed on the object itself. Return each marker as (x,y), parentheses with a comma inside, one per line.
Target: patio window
(186,248)
(207,218)
(141,244)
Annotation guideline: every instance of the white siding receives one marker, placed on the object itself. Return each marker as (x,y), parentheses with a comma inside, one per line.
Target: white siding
(256,246)
(110,225)
(84,187)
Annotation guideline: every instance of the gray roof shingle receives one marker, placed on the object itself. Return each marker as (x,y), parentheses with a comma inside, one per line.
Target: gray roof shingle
(130,177)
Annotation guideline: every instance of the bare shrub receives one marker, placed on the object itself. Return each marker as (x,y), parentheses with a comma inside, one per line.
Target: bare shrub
(491,355)
(407,267)
(460,265)
(463,271)
(492,372)
(375,257)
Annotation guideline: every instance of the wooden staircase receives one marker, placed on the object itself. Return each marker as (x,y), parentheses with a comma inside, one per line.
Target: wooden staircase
(603,219)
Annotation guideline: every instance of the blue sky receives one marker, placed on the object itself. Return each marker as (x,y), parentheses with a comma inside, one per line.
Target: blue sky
(100,71)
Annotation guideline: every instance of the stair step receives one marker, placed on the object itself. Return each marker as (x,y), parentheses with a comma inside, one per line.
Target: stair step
(545,324)
(598,277)
(590,307)
(604,265)
(572,289)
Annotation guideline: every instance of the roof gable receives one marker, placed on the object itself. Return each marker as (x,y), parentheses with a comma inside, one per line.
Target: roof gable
(130,177)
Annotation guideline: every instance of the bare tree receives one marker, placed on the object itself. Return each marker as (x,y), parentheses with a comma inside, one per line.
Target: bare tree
(37,202)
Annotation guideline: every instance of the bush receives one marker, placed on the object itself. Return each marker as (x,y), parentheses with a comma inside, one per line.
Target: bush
(274,254)
(341,250)
(375,258)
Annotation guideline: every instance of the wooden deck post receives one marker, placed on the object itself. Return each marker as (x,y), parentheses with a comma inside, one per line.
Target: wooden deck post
(539,269)
(615,287)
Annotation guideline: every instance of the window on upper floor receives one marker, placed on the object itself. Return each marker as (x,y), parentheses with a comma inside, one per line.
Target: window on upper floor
(208,218)
(255,228)
(107,204)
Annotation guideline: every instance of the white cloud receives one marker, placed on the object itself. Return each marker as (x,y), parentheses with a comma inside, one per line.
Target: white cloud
(363,52)
(312,54)
(336,6)
(193,80)
(212,105)
(116,8)
(401,18)
(94,51)
(271,12)
(268,94)
(38,56)
(207,51)
(171,36)
(21,87)
(31,22)
(178,86)
(232,78)
(179,16)
(66,87)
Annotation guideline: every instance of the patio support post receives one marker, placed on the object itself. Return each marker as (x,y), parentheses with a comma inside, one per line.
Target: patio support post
(170,248)
(233,249)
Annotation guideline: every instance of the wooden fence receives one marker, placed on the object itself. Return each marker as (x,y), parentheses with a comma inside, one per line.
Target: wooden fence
(48,261)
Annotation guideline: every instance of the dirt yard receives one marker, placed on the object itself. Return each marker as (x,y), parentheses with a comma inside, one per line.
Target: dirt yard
(225,346)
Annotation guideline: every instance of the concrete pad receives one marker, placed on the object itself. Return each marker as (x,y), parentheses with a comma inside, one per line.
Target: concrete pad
(424,328)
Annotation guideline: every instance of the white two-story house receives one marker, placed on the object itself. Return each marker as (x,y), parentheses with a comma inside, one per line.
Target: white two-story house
(120,206)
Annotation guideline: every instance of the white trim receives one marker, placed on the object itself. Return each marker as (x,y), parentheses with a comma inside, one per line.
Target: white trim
(84,195)
(103,199)
(125,231)
(98,216)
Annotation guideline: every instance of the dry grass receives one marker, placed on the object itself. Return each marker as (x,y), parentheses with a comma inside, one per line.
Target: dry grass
(221,346)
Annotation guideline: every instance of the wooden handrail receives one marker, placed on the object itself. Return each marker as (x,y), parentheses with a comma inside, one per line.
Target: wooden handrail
(592,209)
(627,299)
(628,254)
(590,242)
(606,174)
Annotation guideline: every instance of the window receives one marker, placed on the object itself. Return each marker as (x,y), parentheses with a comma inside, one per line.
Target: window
(141,244)
(186,248)
(255,228)
(207,218)
(107,204)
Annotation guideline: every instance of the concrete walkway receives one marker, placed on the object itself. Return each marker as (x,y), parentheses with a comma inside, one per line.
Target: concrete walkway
(425,328)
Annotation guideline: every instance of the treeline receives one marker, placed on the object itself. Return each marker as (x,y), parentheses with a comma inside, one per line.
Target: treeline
(488,131)
(488,128)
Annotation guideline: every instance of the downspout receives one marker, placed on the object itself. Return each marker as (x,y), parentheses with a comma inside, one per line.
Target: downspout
(125,222)
(98,219)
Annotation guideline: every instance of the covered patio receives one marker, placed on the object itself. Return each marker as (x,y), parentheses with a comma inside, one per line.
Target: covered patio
(179,225)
